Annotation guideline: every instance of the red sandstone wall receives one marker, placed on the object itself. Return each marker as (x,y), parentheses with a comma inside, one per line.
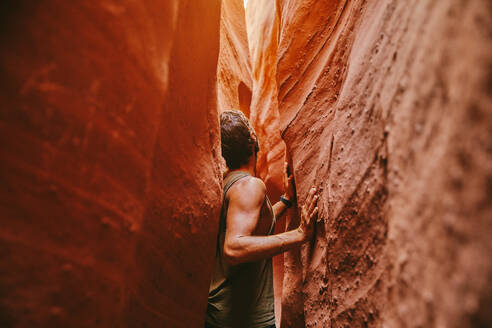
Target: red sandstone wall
(109,180)
(263,30)
(263,38)
(234,84)
(253,90)
(385,106)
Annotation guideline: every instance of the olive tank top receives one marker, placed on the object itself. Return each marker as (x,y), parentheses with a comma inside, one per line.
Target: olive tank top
(240,295)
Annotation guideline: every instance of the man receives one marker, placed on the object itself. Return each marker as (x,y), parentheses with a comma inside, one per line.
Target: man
(241,290)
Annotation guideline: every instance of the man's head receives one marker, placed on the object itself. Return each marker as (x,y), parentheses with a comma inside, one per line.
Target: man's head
(238,138)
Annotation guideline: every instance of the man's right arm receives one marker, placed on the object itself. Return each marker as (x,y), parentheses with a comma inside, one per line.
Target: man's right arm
(243,214)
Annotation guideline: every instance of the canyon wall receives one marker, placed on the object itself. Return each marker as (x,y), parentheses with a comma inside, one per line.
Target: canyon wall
(109,174)
(254,92)
(111,177)
(263,41)
(234,82)
(385,107)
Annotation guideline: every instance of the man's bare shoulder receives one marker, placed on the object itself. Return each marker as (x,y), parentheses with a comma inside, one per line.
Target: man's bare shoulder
(248,192)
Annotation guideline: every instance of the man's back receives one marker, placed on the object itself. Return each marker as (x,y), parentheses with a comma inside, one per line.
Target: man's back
(241,295)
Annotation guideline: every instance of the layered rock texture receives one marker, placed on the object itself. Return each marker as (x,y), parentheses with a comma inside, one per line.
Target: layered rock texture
(109,177)
(234,82)
(111,170)
(385,107)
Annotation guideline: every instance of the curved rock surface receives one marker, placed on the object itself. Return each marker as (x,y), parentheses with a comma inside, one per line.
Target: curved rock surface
(237,83)
(109,149)
(385,106)
(111,177)
(234,84)
(263,29)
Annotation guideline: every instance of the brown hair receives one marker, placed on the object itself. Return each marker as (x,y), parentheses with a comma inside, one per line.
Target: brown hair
(238,137)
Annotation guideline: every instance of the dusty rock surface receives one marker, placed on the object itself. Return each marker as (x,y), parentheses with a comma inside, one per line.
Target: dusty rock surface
(386,107)
(109,147)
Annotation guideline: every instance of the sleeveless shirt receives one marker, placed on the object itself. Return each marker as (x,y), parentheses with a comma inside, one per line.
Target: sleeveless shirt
(240,295)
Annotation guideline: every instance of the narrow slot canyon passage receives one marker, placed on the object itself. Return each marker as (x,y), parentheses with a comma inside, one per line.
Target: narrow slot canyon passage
(111,170)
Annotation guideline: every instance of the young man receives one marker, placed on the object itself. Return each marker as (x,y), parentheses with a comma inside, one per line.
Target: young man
(241,290)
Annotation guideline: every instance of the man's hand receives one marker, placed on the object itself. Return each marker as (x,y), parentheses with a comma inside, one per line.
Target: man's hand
(309,211)
(241,244)
(289,191)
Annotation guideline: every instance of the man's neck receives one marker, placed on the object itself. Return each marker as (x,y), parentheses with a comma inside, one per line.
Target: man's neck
(250,168)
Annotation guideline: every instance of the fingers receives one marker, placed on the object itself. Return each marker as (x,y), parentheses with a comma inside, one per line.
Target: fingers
(309,208)
(310,196)
(312,199)
(309,199)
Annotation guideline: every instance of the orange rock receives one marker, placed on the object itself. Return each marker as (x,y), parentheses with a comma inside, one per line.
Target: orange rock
(263,29)
(384,107)
(109,177)
(234,82)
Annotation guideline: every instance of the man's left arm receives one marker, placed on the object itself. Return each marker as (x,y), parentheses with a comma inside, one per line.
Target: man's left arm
(279,208)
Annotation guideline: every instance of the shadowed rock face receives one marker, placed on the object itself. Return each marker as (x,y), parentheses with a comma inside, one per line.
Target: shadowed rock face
(385,107)
(109,148)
